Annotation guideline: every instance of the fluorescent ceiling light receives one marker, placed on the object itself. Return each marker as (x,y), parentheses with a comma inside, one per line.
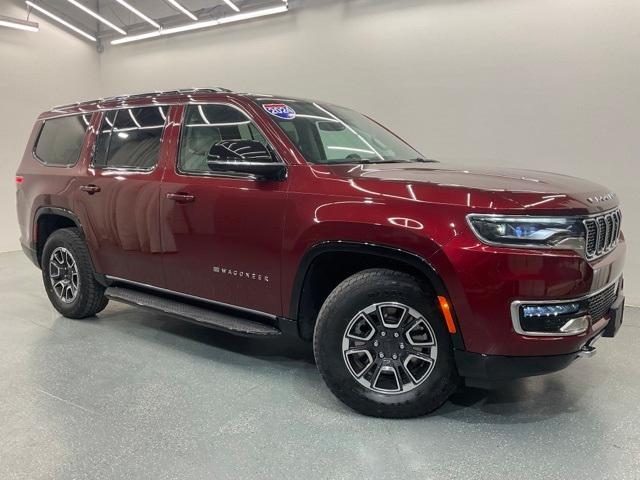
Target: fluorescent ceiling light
(199,25)
(18,24)
(258,13)
(232,5)
(60,20)
(96,16)
(139,13)
(135,38)
(183,10)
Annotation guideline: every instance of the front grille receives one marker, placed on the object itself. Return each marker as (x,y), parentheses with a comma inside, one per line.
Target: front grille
(599,304)
(602,233)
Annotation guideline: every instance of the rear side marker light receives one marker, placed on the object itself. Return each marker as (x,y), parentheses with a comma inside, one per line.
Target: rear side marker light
(446,311)
(19,179)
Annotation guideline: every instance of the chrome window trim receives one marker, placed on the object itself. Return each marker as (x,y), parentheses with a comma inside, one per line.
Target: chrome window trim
(581,251)
(191,297)
(516,304)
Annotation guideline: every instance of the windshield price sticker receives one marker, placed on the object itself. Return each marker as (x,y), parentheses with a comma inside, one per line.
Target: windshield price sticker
(280,110)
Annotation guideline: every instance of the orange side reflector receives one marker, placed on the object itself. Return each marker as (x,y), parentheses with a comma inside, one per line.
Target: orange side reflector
(446,311)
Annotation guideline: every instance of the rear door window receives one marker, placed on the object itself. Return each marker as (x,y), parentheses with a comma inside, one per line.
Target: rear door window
(130,138)
(60,140)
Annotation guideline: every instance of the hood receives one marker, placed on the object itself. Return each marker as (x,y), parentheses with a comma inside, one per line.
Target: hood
(483,188)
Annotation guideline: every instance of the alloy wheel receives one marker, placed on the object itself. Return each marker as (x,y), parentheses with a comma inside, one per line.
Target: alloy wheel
(63,273)
(389,348)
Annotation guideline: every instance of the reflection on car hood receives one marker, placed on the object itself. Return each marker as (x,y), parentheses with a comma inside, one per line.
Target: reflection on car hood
(494,188)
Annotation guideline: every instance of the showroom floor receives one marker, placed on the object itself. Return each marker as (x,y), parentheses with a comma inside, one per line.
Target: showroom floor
(139,395)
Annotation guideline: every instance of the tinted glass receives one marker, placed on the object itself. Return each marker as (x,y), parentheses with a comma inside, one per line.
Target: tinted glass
(330,134)
(134,138)
(206,125)
(61,140)
(102,140)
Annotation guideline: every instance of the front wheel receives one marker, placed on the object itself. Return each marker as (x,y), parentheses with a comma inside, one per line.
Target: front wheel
(381,346)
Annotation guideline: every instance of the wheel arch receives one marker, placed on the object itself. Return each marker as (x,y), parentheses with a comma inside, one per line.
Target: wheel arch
(47,220)
(304,304)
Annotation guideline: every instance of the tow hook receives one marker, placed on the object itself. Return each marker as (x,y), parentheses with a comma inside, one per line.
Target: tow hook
(587,351)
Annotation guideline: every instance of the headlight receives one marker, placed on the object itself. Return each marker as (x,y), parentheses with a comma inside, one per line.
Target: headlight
(522,231)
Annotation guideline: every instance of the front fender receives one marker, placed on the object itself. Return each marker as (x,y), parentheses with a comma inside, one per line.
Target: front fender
(410,227)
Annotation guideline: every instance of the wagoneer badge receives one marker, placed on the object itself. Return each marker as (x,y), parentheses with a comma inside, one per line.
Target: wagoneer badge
(601,198)
(238,273)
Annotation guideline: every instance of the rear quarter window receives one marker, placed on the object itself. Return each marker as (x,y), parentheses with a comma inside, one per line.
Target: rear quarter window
(60,140)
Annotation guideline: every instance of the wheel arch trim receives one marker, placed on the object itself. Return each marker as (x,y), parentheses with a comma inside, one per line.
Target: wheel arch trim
(382,251)
(62,212)
(49,210)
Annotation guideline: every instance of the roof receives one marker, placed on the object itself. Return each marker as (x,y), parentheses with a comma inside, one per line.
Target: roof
(109,102)
(154,98)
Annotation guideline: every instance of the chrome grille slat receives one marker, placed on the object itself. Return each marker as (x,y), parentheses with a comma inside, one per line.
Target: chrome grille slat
(608,229)
(602,233)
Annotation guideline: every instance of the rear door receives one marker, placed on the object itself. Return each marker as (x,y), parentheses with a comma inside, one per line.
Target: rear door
(222,232)
(117,200)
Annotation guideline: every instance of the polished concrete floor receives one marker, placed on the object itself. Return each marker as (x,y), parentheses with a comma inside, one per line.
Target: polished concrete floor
(135,395)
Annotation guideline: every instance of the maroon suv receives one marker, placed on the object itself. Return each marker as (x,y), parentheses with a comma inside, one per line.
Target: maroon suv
(259,214)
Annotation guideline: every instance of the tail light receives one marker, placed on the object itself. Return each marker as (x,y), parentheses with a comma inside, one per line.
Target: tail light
(19,179)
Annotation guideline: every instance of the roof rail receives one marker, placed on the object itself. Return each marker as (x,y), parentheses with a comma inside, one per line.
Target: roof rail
(68,105)
(141,95)
(168,92)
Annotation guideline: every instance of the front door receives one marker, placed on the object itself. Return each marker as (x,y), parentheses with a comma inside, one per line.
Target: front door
(118,196)
(222,232)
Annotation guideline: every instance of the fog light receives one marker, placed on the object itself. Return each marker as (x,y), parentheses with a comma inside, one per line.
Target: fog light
(576,325)
(530,311)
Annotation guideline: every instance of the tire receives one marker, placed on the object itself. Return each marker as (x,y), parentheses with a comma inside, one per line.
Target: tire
(387,293)
(64,249)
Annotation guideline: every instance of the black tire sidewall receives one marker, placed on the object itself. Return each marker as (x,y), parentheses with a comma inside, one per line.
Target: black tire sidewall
(332,323)
(72,242)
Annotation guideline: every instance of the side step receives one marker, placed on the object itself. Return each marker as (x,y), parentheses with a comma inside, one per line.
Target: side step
(191,313)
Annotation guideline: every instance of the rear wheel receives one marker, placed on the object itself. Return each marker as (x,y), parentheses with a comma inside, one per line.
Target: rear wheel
(68,277)
(381,346)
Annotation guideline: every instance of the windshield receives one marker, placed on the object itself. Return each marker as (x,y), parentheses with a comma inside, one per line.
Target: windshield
(327,134)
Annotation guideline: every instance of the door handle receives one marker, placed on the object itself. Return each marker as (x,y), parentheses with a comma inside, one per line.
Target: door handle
(90,189)
(181,197)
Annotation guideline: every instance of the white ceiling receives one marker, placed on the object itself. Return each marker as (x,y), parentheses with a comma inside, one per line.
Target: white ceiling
(159,10)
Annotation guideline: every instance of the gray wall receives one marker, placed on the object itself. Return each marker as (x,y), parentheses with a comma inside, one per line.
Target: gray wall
(37,71)
(544,84)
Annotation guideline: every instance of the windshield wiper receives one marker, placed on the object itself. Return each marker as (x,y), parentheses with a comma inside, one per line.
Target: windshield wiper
(370,161)
(367,161)
(423,160)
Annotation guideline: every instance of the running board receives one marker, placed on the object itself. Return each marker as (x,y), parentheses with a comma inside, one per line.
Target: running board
(191,313)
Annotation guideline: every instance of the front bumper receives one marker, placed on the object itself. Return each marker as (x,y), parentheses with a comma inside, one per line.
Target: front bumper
(483,282)
(481,370)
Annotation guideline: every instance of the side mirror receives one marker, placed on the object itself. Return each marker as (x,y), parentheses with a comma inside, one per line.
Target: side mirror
(245,157)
